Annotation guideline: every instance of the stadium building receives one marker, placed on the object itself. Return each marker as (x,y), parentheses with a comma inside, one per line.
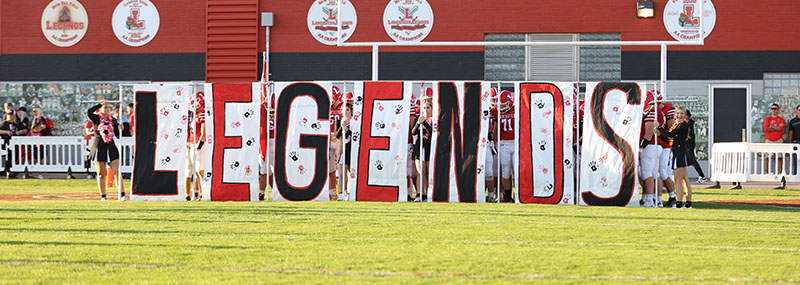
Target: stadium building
(83,49)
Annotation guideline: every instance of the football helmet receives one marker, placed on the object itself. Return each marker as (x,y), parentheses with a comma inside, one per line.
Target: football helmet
(506,101)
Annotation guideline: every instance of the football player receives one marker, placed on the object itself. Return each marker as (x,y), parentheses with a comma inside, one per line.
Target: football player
(507,152)
(266,130)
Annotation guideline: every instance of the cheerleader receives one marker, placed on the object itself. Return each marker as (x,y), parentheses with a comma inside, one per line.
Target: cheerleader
(678,133)
(103,150)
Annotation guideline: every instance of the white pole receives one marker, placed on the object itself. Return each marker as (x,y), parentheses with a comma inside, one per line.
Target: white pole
(499,179)
(375,62)
(119,149)
(339,24)
(266,57)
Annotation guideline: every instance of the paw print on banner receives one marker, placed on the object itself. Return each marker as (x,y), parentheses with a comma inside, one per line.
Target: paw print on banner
(486,114)
(566,200)
(604,181)
(235,165)
(627,121)
(293,156)
(176,149)
(249,113)
(593,165)
(380,125)
(544,131)
(356,116)
(615,109)
(176,106)
(547,114)
(352,174)
(543,145)
(355,136)
(316,126)
(567,163)
(398,109)
(163,111)
(540,103)
(398,160)
(250,141)
(179,91)
(543,169)
(303,122)
(301,170)
(603,158)
(360,100)
(379,165)
(247,171)
(208,176)
(480,168)
(548,188)
(236,124)
(184,120)
(178,132)
(166,160)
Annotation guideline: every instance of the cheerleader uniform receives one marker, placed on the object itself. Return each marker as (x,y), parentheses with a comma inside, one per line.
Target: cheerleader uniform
(103,147)
(680,152)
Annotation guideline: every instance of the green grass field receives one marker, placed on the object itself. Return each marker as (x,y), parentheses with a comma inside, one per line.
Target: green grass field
(349,242)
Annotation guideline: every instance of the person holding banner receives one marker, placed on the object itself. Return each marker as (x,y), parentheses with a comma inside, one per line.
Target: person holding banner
(343,131)
(335,145)
(411,167)
(104,151)
(266,130)
(678,134)
(423,130)
(648,153)
(507,152)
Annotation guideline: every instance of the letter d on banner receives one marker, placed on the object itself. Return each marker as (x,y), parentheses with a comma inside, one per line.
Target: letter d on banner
(302,132)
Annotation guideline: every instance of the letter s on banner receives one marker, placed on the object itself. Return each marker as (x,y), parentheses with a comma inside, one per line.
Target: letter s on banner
(302,132)
(544,171)
(235,116)
(160,152)
(610,150)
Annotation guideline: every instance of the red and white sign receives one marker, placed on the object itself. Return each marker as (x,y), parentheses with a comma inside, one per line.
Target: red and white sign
(323,20)
(682,19)
(64,22)
(408,20)
(135,22)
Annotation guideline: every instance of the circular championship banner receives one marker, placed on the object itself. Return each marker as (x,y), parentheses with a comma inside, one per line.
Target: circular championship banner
(135,22)
(408,20)
(64,22)
(323,20)
(682,19)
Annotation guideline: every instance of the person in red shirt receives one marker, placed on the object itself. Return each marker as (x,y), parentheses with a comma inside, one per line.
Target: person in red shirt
(335,145)
(266,131)
(507,153)
(648,152)
(774,126)
(667,111)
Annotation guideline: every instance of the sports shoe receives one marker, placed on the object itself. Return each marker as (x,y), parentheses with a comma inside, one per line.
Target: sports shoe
(702,180)
(688,205)
(659,204)
(102,197)
(188,198)
(671,203)
(122,197)
(648,204)
(261,196)
(678,204)
(41,177)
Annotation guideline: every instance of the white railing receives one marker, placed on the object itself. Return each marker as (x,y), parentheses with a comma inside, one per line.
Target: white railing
(59,154)
(758,162)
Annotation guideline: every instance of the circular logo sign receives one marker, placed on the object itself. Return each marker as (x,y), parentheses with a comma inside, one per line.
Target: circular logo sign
(682,19)
(64,22)
(408,20)
(135,22)
(323,20)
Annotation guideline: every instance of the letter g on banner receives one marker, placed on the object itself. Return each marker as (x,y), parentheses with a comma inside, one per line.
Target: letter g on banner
(304,134)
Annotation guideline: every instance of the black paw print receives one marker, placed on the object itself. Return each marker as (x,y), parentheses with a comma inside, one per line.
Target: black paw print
(293,156)
(316,126)
(543,145)
(627,121)
(178,131)
(480,169)
(380,125)
(355,136)
(176,106)
(485,114)
(549,187)
(567,163)
(235,165)
(249,113)
(593,165)
(539,104)
(166,160)
(250,141)
(208,176)
(379,165)
(398,110)
(359,100)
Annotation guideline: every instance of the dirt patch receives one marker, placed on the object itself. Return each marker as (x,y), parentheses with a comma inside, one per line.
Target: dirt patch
(54,197)
(770,202)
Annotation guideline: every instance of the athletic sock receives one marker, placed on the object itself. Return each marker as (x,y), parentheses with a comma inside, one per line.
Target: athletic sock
(672,194)
(261,192)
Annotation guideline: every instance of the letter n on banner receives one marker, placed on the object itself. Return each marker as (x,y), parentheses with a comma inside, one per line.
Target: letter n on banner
(610,150)
(302,132)
(545,171)
(161,133)
(380,131)
(459,143)
(232,118)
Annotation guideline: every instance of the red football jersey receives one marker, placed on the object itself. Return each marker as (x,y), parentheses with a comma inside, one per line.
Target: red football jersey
(507,126)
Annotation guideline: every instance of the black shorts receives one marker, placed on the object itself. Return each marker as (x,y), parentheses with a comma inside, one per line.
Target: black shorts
(106,153)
